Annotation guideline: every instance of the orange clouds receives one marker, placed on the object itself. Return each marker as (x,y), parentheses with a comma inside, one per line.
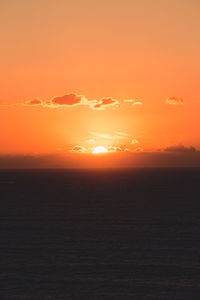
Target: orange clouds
(111,149)
(133,102)
(69,99)
(82,149)
(34,102)
(104,102)
(113,136)
(114,149)
(138,103)
(113,142)
(102,135)
(174,101)
(78,149)
(73,99)
(134,141)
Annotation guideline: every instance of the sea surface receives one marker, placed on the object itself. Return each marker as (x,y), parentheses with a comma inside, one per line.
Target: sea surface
(100,234)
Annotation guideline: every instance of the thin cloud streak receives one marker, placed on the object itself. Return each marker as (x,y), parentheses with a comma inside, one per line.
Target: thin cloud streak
(133,102)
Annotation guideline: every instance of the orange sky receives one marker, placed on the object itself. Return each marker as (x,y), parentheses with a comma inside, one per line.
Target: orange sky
(107,51)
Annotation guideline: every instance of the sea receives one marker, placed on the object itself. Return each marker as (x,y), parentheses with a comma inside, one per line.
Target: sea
(100,234)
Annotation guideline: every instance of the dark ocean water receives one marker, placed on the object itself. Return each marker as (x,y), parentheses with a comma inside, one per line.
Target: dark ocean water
(100,234)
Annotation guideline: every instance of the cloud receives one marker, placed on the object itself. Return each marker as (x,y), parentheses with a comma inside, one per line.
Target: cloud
(180,149)
(138,149)
(133,102)
(122,135)
(72,99)
(138,103)
(114,149)
(34,102)
(129,100)
(102,135)
(91,141)
(134,141)
(174,101)
(78,149)
(117,135)
(67,100)
(104,102)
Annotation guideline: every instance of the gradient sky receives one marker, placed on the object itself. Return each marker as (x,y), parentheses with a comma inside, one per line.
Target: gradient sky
(108,51)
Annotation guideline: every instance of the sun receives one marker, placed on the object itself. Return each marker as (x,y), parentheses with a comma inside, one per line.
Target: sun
(99,149)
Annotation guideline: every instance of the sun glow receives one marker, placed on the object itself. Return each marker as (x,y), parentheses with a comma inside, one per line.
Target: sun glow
(99,149)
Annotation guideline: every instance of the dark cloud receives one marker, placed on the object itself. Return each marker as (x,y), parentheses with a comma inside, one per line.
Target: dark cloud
(180,149)
(104,102)
(74,100)
(34,102)
(174,101)
(67,100)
